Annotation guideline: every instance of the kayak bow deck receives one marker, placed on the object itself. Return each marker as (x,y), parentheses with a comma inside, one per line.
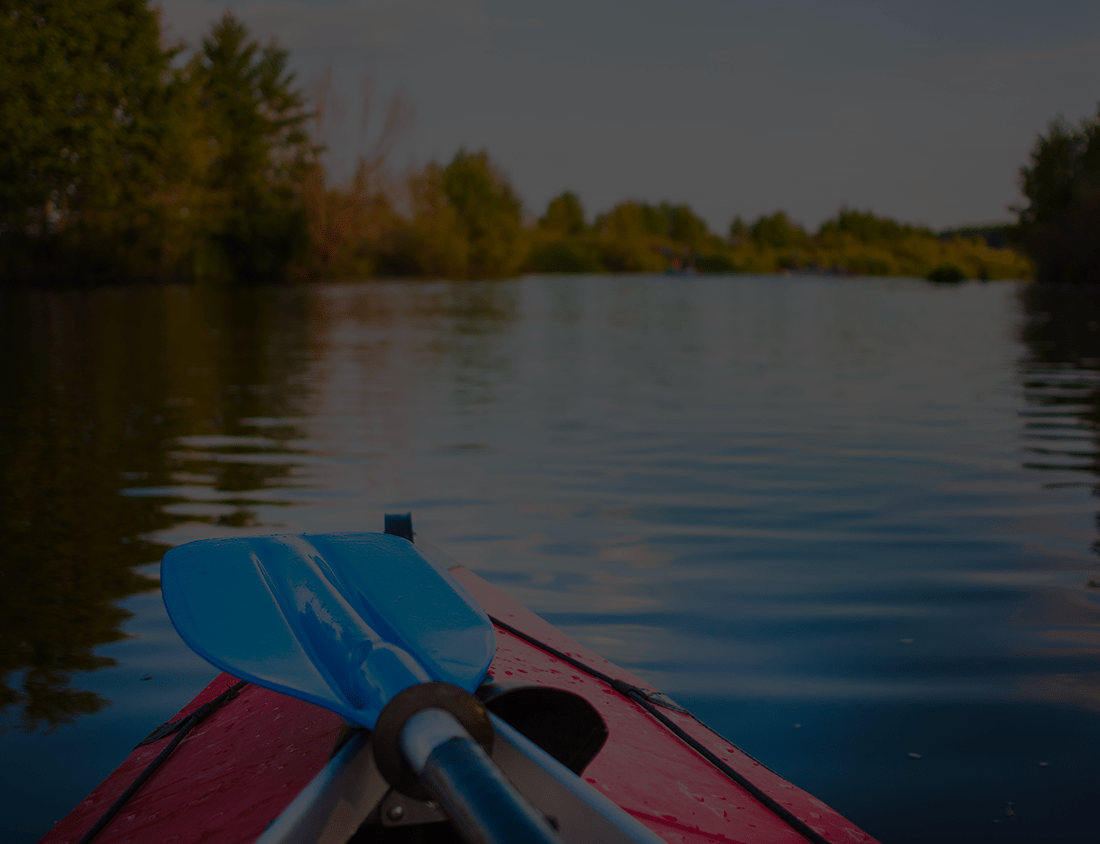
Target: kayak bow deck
(255,750)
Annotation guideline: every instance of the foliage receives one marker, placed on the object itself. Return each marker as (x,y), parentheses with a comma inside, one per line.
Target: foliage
(778,232)
(466,222)
(865,227)
(628,237)
(115,165)
(83,105)
(353,227)
(435,243)
(253,119)
(717,263)
(1061,183)
(637,236)
(562,242)
(682,226)
(566,256)
(489,212)
(564,216)
(346,226)
(946,274)
(855,242)
(739,233)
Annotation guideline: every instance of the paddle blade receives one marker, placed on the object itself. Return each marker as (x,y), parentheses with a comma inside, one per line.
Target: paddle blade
(344,621)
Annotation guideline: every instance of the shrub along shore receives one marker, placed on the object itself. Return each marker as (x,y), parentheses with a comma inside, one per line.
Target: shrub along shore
(120,161)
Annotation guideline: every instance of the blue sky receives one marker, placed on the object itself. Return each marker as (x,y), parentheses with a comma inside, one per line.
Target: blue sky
(923,111)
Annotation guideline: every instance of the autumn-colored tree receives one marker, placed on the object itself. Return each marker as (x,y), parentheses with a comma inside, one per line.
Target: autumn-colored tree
(354,227)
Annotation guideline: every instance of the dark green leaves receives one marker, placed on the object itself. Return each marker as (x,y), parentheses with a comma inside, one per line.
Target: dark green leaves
(1062,185)
(115,165)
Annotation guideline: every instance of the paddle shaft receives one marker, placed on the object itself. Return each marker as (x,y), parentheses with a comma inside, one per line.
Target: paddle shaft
(481,803)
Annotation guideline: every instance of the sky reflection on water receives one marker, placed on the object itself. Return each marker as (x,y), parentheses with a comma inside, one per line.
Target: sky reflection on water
(862,506)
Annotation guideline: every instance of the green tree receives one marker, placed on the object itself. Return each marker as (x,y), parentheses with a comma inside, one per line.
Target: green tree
(436,243)
(637,236)
(629,238)
(1061,183)
(489,212)
(739,233)
(564,215)
(865,227)
(84,109)
(254,119)
(778,231)
(684,227)
(562,242)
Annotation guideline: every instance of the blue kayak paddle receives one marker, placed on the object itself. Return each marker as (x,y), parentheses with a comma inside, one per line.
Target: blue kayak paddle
(354,623)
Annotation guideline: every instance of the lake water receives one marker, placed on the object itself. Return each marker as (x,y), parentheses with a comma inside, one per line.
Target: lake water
(842,520)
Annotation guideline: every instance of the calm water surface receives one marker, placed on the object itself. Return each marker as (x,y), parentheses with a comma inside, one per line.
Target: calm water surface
(844,521)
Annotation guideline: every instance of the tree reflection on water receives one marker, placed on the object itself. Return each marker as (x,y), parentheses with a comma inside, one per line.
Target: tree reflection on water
(1062,383)
(98,386)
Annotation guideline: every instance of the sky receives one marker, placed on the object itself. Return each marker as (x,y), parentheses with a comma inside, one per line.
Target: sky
(923,110)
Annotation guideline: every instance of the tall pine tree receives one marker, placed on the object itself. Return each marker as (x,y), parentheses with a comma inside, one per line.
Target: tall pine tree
(253,118)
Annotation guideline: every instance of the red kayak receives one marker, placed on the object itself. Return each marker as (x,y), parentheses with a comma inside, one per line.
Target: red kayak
(247,752)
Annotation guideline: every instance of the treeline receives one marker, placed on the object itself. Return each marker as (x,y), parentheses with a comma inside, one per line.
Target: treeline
(121,160)
(465,220)
(636,236)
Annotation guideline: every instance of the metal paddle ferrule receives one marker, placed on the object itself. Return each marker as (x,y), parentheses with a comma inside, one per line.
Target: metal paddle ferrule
(425,732)
(432,741)
(481,803)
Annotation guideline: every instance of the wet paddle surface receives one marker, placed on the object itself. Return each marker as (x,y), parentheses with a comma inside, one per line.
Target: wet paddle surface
(848,522)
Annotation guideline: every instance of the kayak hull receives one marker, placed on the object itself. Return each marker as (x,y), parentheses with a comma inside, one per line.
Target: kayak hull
(236,771)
